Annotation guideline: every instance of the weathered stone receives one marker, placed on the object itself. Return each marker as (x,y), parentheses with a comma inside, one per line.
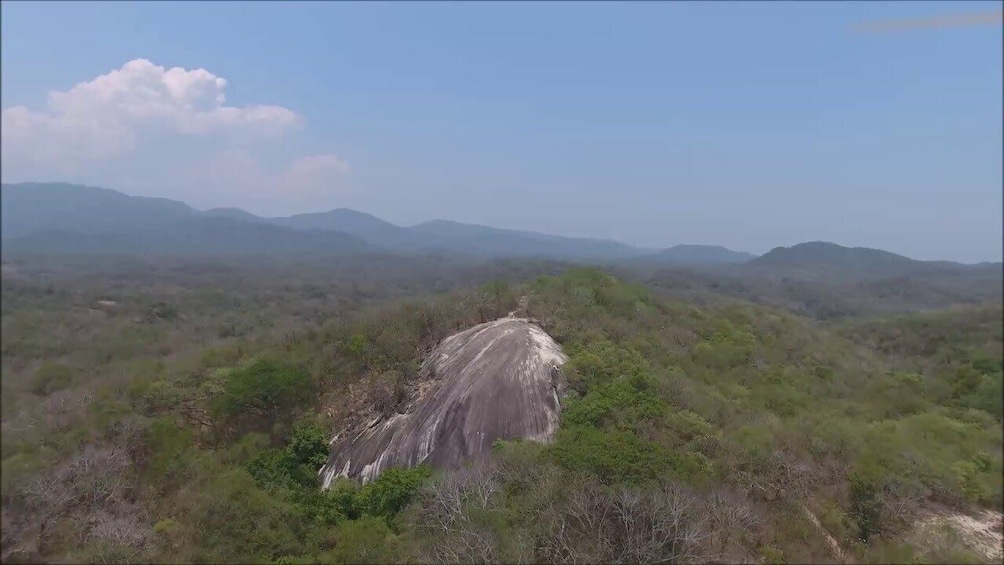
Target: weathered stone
(497,380)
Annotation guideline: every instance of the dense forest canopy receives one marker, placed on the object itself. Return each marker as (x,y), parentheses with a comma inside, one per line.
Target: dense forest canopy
(178,410)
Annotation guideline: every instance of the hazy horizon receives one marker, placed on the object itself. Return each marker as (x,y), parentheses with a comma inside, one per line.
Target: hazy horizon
(750,126)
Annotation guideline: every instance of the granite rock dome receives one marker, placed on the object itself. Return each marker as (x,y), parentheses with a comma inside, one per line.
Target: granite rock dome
(497,380)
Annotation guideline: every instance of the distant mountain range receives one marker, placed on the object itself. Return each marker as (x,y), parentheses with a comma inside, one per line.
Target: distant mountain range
(63,218)
(66,219)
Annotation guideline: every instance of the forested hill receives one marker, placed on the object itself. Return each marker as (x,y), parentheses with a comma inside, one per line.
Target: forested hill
(153,414)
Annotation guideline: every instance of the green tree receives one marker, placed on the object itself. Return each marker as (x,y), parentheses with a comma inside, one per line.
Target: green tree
(265,389)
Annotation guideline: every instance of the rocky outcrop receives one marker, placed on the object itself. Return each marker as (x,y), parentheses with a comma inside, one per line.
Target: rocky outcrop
(497,380)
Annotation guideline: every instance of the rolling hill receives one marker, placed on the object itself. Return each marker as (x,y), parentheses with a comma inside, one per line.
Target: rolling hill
(698,255)
(823,259)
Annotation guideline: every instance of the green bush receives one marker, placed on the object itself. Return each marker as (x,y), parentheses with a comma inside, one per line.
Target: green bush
(168,446)
(277,469)
(602,362)
(988,395)
(367,540)
(357,345)
(309,446)
(51,377)
(338,502)
(391,491)
(618,404)
(965,380)
(683,427)
(231,519)
(613,456)
(865,505)
(295,465)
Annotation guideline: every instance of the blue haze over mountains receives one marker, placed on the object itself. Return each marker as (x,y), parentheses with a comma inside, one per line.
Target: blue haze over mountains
(67,219)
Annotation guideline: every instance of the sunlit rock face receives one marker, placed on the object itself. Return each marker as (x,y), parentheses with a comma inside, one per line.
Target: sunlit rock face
(497,380)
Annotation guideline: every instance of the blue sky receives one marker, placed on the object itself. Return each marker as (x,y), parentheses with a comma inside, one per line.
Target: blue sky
(742,124)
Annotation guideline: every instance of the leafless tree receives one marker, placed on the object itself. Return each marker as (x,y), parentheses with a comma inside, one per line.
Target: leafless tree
(462,309)
(121,530)
(779,474)
(658,526)
(577,519)
(628,525)
(444,506)
(732,517)
(434,322)
(458,537)
(485,305)
(128,435)
(581,532)
(57,409)
(92,483)
(481,484)
(901,501)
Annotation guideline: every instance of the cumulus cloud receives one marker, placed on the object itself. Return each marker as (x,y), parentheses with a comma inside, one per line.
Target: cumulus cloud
(112,114)
(148,128)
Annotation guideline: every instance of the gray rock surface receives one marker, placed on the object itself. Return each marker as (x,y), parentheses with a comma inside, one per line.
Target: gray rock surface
(497,380)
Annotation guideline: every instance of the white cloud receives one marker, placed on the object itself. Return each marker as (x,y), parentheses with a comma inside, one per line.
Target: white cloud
(146,127)
(112,114)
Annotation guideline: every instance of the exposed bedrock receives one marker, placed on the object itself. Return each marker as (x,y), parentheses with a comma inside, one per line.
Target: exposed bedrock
(497,380)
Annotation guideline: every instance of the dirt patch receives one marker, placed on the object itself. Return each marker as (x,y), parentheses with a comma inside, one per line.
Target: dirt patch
(982,531)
